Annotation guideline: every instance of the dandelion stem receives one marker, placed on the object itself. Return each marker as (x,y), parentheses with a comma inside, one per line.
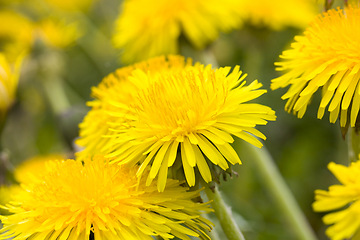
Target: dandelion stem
(280,191)
(353,145)
(223,213)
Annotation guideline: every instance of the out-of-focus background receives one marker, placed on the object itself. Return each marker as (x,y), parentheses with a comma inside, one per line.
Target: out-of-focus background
(69,50)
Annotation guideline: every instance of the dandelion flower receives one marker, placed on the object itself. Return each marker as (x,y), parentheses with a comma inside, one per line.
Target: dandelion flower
(327,56)
(9,78)
(147,29)
(179,115)
(73,199)
(278,14)
(346,221)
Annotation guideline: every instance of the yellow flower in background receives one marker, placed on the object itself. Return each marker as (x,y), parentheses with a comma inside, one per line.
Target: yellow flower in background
(71,5)
(73,199)
(345,222)
(327,57)
(9,78)
(278,14)
(150,28)
(175,114)
(33,166)
(19,33)
(16,33)
(57,33)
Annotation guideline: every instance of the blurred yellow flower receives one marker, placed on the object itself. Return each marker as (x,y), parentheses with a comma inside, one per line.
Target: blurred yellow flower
(327,57)
(16,33)
(71,5)
(57,33)
(345,221)
(33,166)
(150,28)
(278,14)
(73,199)
(9,78)
(175,114)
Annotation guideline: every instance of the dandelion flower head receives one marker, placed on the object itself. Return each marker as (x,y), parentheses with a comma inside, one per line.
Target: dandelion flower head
(147,29)
(327,56)
(182,117)
(345,222)
(117,88)
(73,199)
(278,14)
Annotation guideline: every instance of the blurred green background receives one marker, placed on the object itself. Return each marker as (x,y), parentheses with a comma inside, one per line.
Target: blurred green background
(302,148)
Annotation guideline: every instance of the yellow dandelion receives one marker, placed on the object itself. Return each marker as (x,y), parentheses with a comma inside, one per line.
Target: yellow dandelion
(96,122)
(9,78)
(182,115)
(327,57)
(278,14)
(345,222)
(74,199)
(147,29)
(57,33)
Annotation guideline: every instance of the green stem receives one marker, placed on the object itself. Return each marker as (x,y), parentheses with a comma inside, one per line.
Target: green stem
(353,145)
(223,213)
(280,191)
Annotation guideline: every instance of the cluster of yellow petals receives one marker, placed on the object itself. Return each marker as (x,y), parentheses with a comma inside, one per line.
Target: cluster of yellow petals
(117,88)
(147,29)
(346,221)
(327,57)
(183,115)
(6,195)
(71,199)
